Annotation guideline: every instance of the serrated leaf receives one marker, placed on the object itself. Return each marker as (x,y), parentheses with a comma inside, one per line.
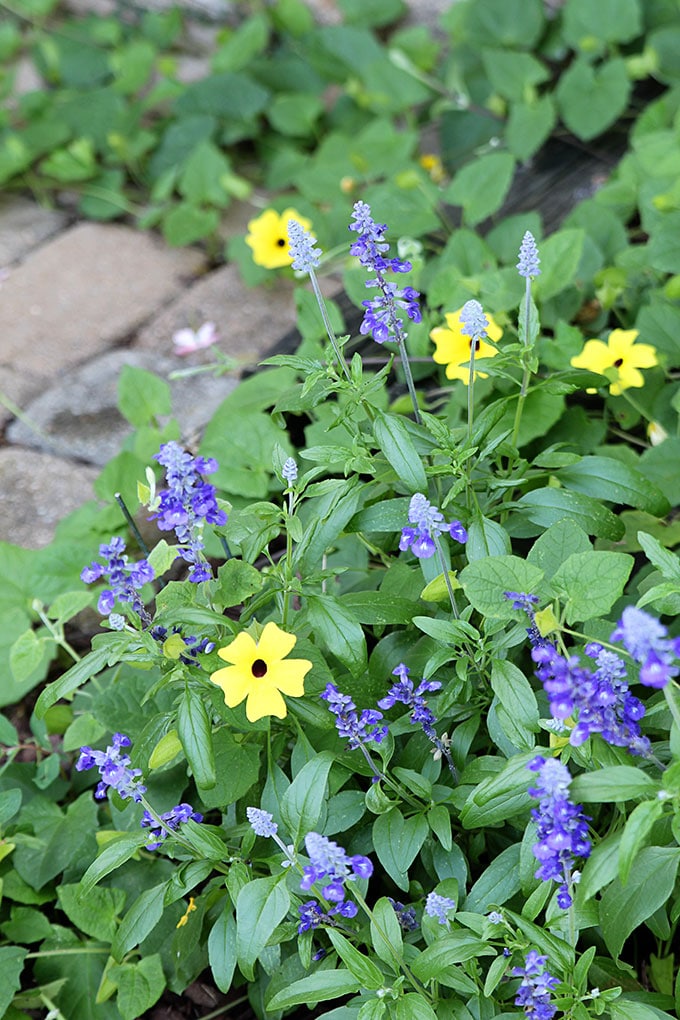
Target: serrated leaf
(589,583)
(485,582)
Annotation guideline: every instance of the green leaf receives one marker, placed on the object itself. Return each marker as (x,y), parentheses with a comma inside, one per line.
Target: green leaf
(394,440)
(517,700)
(481,186)
(557,950)
(324,531)
(624,908)
(261,906)
(618,21)
(95,912)
(485,582)
(381,608)
(387,515)
(552,548)
(560,257)
(386,936)
(498,883)
(302,803)
(222,949)
(499,797)
(140,985)
(589,583)
(195,732)
(544,507)
(140,920)
(590,98)
(612,785)
(414,1007)
(486,538)
(504,23)
(10,802)
(186,223)
(201,180)
(236,581)
(362,967)
(668,563)
(112,856)
(162,557)
(338,629)
(448,632)
(326,984)
(610,479)
(142,396)
(26,655)
(237,766)
(529,125)
(638,826)
(456,947)
(397,841)
(511,72)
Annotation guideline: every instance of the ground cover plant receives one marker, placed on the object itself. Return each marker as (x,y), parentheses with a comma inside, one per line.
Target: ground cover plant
(382,717)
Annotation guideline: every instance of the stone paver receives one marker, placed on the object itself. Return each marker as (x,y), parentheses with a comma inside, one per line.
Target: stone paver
(82,420)
(36,491)
(250,320)
(23,226)
(83,291)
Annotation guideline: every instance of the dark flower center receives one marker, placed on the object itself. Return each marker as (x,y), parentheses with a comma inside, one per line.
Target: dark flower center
(280,242)
(618,363)
(477,345)
(259,668)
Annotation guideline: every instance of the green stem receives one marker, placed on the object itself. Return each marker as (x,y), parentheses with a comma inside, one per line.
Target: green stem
(133,527)
(327,323)
(526,374)
(670,701)
(403,354)
(471,390)
(57,634)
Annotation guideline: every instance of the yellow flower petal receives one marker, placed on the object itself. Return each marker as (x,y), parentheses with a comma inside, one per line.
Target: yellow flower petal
(268,237)
(453,347)
(619,359)
(260,673)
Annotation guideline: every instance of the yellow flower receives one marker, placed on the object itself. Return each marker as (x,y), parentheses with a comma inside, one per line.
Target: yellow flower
(268,237)
(434,166)
(453,347)
(259,673)
(619,359)
(185,916)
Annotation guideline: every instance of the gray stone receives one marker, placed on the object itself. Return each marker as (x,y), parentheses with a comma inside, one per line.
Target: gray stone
(82,292)
(36,491)
(250,320)
(79,417)
(23,226)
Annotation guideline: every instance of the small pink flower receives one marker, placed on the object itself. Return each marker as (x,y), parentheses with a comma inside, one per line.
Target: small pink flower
(187,340)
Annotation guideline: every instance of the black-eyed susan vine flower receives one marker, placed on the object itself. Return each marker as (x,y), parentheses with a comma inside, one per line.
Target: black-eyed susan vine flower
(453,346)
(259,673)
(619,359)
(268,237)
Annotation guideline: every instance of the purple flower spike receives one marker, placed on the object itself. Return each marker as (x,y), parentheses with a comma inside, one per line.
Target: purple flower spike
(528,264)
(114,769)
(533,993)
(562,827)
(124,578)
(645,639)
(380,318)
(327,860)
(187,504)
(474,322)
(439,907)
(428,523)
(358,729)
(172,820)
